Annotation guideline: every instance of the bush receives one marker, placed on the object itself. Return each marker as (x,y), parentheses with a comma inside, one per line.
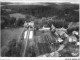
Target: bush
(20,22)
(14,49)
(12,21)
(5,21)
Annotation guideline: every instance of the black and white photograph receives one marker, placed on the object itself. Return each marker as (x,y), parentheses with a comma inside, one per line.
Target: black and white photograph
(39,28)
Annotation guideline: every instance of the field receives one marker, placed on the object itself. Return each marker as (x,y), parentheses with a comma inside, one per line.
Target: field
(17,15)
(9,34)
(41,41)
(42,44)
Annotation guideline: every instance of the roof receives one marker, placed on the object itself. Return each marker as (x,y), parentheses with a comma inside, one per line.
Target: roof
(60,32)
(53,27)
(72,39)
(75,32)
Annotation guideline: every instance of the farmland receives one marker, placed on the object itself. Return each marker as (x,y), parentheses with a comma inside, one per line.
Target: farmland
(9,35)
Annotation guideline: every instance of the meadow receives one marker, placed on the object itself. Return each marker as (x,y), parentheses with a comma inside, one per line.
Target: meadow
(9,34)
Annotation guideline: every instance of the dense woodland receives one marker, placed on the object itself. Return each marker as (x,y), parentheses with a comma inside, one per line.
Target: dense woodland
(51,13)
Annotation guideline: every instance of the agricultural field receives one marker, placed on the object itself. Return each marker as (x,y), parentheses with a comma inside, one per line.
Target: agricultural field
(9,34)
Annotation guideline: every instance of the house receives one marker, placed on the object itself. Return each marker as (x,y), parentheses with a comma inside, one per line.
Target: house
(78,43)
(72,39)
(60,32)
(53,28)
(75,33)
(59,40)
(29,24)
(61,29)
(44,29)
(25,24)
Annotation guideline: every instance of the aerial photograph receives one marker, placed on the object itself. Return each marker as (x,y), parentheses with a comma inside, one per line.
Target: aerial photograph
(41,28)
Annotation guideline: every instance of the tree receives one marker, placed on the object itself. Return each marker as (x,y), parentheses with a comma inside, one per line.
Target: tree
(12,21)
(5,21)
(20,22)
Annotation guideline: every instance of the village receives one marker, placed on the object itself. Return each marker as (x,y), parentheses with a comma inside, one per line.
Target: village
(39,29)
(62,39)
(45,42)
